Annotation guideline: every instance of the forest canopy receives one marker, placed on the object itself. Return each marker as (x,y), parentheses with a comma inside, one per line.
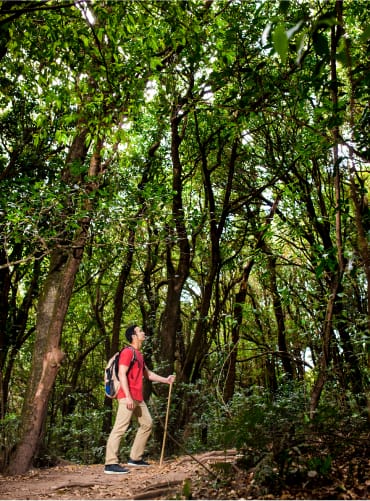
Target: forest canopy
(200,168)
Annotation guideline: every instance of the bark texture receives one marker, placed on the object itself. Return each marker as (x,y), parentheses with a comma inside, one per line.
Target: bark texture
(52,308)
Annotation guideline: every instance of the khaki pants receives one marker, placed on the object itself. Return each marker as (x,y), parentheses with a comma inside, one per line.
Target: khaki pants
(123,419)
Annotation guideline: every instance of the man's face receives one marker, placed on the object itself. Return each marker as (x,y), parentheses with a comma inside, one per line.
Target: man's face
(140,334)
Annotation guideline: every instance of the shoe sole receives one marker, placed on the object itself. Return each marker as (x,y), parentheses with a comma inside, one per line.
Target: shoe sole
(116,472)
(139,465)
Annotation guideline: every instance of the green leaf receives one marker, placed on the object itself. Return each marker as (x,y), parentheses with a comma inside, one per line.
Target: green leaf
(321,45)
(280,41)
(85,40)
(366,34)
(154,62)
(327,19)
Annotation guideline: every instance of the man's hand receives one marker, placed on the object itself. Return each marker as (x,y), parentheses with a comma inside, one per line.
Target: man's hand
(171,379)
(129,403)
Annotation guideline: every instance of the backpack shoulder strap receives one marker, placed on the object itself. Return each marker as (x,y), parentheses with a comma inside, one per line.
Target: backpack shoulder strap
(133,356)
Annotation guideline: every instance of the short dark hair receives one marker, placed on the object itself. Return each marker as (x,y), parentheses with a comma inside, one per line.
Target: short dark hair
(130,331)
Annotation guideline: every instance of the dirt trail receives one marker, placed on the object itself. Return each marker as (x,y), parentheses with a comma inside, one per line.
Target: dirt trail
(90,482)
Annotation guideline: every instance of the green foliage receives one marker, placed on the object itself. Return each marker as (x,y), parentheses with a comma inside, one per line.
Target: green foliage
(280,40)
(257,418)
(8,436)
(77,437)
(279,443)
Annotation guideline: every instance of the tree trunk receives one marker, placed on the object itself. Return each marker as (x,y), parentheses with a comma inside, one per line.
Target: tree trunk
(47,357)
(171,325)
(5,284)
(336,276)
(14,332)
(279,315)
(325,355)
(52,308)
(240,297)
(202,339)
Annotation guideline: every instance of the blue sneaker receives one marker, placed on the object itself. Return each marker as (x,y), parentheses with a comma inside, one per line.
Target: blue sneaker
(115,469)
(139,462)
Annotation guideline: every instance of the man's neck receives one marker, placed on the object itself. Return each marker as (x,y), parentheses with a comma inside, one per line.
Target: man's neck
(136,344)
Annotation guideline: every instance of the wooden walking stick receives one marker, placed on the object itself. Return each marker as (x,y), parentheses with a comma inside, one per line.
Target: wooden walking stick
(165,425)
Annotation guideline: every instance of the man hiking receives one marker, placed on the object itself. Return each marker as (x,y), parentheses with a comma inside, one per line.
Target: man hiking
(131,403)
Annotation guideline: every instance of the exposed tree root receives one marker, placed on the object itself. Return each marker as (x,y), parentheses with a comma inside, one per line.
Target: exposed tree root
(157,490)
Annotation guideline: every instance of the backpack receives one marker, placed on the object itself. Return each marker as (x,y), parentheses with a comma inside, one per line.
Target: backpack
(111,380)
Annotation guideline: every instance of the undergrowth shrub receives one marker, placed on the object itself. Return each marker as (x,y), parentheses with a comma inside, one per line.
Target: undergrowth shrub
(77,438)
(9,426)
(193,411)
(277,439)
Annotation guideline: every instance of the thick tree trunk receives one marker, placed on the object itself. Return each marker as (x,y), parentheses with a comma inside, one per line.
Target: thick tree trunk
(47,357)
(52,308)
(171,323)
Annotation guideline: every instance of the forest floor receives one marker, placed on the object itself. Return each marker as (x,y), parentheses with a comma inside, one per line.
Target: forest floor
(212,475)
